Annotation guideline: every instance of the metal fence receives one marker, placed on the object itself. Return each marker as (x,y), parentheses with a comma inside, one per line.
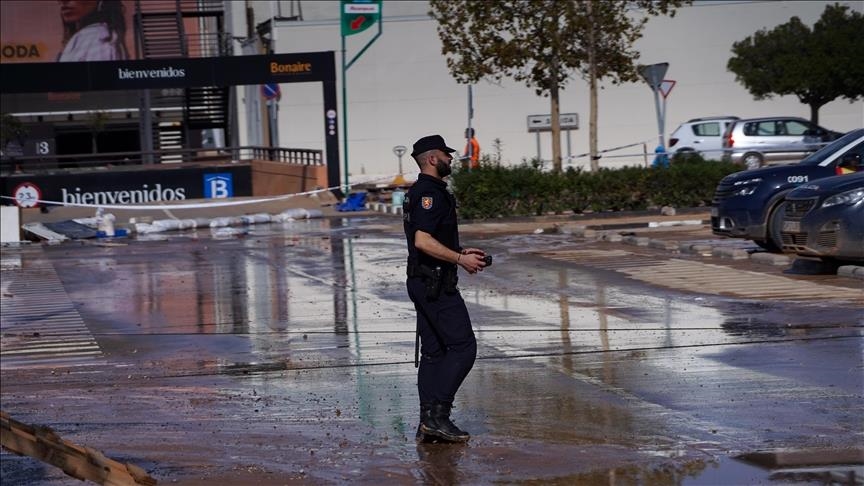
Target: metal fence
(41,164)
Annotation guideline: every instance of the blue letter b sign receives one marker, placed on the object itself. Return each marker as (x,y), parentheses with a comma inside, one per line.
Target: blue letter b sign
(218,186)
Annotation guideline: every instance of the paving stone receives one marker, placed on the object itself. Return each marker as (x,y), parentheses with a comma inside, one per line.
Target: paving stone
(695,248)
(771,258)
(663,244)
(636,240)
(733,253)
(853,271)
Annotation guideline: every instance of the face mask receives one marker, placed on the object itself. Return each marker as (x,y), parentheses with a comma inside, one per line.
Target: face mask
(443,168)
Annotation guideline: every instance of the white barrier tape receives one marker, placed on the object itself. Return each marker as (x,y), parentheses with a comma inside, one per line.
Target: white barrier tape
(586,154)
(193,205)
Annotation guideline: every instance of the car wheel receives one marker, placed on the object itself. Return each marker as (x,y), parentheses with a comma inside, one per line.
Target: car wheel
(752,160)
(774,241)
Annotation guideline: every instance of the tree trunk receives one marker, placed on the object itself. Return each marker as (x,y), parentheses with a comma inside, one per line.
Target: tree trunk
(556,129)
(592,107)
(814,113)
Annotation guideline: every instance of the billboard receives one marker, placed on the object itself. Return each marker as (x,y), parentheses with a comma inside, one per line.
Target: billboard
(133,186)
(66,31)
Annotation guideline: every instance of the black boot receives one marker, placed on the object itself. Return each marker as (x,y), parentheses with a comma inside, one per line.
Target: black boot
(437,423)
(425,411)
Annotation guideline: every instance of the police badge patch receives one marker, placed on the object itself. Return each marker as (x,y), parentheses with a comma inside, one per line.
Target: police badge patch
(426,202)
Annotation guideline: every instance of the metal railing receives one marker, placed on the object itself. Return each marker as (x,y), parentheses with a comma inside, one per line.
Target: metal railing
(109,161)
(185,6)
(209,44)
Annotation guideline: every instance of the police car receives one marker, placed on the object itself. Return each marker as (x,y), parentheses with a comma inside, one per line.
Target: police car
(745,203)
(825,219)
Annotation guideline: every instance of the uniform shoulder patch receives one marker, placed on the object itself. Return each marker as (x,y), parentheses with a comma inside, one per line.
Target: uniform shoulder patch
(426,202)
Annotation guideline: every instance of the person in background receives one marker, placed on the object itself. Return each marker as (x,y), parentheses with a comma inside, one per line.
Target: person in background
(449,346)
(93,30)
(471,156)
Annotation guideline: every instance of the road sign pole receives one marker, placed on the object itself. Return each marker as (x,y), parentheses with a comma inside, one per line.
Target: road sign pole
(346,188)
(569,152)
(653,75)
(659,118)
(354,16)
(538,148)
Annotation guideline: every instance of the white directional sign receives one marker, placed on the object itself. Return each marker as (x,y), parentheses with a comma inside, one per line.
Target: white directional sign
(543,123)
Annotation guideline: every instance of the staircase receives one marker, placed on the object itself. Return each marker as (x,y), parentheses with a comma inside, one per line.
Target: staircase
(184,29)
(162,35)
(207,107)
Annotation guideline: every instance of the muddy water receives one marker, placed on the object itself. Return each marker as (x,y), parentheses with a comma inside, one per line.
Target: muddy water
(286,356)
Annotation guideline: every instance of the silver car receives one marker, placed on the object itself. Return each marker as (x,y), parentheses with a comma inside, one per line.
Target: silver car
(755,142)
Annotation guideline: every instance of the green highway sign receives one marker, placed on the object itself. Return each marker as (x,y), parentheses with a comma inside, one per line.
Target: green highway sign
(359,15)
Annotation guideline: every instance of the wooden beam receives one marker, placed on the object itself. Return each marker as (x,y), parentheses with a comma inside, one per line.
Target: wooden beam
(82,463)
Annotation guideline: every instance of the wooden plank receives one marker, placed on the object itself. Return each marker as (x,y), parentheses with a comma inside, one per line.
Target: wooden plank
(82,463)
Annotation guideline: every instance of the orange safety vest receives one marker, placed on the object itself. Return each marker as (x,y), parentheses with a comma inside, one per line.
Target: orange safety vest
(475,152)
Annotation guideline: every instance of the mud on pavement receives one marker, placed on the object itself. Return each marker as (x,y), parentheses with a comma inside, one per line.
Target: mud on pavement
(285,356)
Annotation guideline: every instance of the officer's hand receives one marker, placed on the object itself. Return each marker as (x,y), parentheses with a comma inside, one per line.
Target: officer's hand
(472,260)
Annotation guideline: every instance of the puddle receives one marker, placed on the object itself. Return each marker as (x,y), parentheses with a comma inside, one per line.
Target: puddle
(584,375)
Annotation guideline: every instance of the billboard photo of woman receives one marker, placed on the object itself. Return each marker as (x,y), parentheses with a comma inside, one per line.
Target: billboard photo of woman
(93,30)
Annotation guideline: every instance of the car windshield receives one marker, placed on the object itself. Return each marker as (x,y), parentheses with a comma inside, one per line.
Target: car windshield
(834,149)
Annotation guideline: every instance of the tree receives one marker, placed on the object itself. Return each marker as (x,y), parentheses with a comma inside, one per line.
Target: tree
(818,65)
(543,42)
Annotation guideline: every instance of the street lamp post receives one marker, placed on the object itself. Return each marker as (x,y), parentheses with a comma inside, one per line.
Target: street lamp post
(399,151)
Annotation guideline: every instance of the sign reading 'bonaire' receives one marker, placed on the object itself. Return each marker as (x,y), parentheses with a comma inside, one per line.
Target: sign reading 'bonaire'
(359,15)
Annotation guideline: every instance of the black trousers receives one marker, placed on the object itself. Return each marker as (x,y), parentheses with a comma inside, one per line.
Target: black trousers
(448,347)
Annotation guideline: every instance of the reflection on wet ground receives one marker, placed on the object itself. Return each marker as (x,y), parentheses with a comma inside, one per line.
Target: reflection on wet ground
(289,350)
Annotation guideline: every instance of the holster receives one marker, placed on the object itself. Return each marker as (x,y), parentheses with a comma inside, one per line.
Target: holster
(436,279)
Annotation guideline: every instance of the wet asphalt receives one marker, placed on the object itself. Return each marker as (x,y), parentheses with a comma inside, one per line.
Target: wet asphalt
(285,356)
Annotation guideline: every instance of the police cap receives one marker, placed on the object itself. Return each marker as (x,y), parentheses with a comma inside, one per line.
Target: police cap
(431,142)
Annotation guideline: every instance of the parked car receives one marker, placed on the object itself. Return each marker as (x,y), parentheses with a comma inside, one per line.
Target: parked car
(745,203)
(701,135)
(825,218)
(755,142)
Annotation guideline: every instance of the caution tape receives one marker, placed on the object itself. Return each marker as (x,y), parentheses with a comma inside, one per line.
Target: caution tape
(213,204)
(609,150)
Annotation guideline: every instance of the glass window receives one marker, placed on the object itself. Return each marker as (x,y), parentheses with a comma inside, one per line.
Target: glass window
(760,129)
(707,129)
(767,128)
(795,127)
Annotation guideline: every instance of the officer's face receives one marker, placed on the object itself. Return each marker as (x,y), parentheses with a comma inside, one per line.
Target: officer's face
(442,164)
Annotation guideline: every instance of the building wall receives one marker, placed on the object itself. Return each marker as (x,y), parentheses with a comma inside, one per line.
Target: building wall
(400,89)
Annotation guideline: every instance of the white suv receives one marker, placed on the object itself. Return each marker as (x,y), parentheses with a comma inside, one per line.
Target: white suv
(702,135)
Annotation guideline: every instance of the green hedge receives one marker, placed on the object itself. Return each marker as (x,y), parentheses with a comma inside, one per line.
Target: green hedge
(525,190)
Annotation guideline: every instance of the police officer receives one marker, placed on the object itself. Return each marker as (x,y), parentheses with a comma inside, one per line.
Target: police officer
(447,344)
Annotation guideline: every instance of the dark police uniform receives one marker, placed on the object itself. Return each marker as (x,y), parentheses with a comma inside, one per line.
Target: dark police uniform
(448,346)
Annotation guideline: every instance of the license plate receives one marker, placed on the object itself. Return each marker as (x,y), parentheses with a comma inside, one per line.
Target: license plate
(792,226)
(714,212)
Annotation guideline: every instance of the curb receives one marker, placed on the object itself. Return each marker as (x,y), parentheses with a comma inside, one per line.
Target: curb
(851,271)
(610,233)
(764,258)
